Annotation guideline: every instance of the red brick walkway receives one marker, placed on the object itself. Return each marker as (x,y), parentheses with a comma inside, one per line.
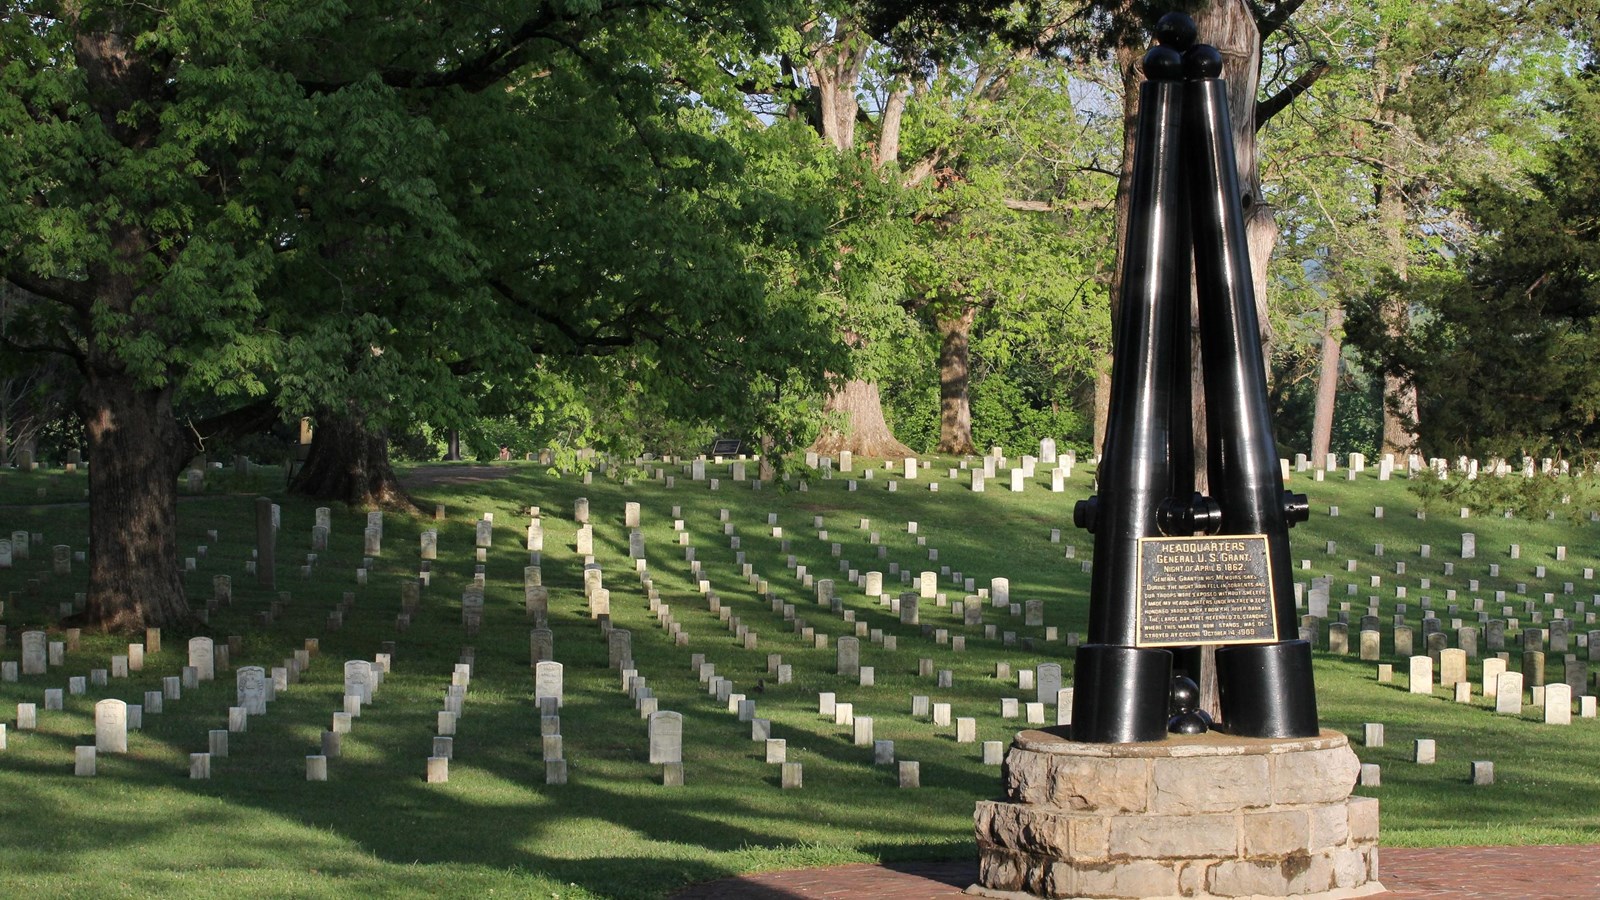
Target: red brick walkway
(1510,872)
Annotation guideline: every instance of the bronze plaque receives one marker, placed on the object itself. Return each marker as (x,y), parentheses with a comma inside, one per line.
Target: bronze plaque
(1205,590)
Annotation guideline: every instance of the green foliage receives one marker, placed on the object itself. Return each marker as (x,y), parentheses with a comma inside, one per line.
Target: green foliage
(911,396)
(1004,414)
(1568,497)
(1357,417)
(1366,170)
(1503,344)
(391,231)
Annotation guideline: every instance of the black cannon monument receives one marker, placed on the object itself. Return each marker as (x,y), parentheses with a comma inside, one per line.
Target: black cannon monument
(1131,799)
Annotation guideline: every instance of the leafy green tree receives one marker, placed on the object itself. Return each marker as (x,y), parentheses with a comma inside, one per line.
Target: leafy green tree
(1418,100)
(1503,344)
(257,204)
(865,76)
(1009,259)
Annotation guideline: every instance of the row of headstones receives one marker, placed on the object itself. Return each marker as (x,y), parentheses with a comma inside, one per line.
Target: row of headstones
(862,734)
(1049,673)
(1317,593)
(1319,601)
(1316,600)
(849,646)
(927,583)
(253,689)
(740,632)
(1505,687)
(909,467)
(1424,752)
(121,667)
(906,605)
(1424,582)
(1415,464)
(114,718)
(1556,639)
(549,689)
(664,727)
(1494,630)
(722,689)
(62,556)
(1047,454)
(39,653)
(716,685)
(442,748)
(549,675)
(19,547)
(27,461)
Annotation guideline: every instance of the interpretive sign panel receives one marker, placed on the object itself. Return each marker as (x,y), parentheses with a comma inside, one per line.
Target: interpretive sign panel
(1205,590)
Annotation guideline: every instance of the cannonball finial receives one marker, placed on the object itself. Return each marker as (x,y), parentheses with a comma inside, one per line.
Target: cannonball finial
(1163,64)
(1177,31)
(1202,61)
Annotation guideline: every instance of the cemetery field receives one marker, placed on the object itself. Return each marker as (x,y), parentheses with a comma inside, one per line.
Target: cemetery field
(736,575)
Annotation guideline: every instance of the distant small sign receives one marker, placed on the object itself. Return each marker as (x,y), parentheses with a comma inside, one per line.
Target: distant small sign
(1205,590)
(726,447)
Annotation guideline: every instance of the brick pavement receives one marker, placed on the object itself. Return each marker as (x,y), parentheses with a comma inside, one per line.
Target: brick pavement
(1509,872)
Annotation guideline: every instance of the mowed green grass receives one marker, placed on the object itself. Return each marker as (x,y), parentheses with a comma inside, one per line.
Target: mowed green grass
(142,827)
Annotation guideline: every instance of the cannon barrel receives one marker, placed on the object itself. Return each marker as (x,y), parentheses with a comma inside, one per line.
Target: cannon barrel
(1266,689)
(1121,689)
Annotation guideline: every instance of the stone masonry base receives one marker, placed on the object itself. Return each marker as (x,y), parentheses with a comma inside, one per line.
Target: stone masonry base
(1191,816)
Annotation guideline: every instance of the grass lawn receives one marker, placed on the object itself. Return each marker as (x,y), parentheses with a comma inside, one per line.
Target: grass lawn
(376,827)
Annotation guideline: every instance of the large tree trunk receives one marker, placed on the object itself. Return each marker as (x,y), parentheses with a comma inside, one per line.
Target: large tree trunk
(136,446)
(1400,396)
(350,463)
(1327,387)
(136,452)
(1128,59)
(834,70)
(865,433)
(955,409)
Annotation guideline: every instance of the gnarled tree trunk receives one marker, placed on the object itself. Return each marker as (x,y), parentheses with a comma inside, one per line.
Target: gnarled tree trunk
(350,463)
(1327,388)
(834,70)
(955,408)
(136,452)
(866,433)
(1399,395)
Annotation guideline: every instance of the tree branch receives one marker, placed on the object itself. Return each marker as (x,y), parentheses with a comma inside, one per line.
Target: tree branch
(255,416)
(593,341)
(1266,109)
(888,149)
(1269,21)
(1050,205)
(496,62)
(921,169)
(65,350)
(75,294)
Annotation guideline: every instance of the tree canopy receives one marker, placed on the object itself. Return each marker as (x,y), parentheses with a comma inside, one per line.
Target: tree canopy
(1504,343)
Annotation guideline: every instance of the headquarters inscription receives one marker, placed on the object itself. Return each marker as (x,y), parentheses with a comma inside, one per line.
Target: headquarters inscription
(1205,590)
